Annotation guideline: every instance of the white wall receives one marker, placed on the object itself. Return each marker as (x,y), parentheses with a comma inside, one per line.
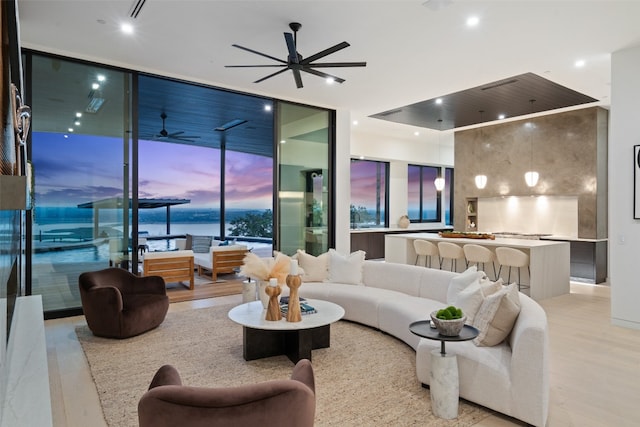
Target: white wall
(624,231)
(343,180)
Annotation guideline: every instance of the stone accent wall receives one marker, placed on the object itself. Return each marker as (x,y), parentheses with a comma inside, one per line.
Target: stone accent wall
(569,150)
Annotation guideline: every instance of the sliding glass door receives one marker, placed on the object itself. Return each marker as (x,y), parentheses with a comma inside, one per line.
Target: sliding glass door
(80,156)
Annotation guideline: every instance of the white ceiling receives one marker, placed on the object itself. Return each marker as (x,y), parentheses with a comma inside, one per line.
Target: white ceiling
(413,52)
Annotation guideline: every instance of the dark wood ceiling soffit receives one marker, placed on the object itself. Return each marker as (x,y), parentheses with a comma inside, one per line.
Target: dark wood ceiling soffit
(511,96)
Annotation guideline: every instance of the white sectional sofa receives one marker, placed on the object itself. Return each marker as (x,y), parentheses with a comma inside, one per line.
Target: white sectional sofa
(511,377)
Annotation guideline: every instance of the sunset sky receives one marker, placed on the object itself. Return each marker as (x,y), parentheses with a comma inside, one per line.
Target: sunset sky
(82,168)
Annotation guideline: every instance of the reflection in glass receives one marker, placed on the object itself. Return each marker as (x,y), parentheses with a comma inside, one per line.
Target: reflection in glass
(303,198)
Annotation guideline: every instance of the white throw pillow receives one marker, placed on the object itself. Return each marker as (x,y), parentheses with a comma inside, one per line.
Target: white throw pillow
(489,287)
(461,281)
(469,301)
(346,269)
(315,267)
(497,315)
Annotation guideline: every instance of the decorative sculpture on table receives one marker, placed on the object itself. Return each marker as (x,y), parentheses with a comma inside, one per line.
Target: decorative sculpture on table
(273,309)
(294,282)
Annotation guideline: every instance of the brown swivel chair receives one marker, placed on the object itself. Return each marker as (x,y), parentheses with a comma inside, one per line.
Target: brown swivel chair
(283,403)
(119,304)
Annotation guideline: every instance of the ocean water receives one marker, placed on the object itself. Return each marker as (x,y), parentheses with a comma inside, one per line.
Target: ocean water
(72,225)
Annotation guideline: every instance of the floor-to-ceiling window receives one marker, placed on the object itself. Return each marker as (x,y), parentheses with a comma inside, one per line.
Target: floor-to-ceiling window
(369,186)
(304,181)
(211,152)
(118,155)
(80,155)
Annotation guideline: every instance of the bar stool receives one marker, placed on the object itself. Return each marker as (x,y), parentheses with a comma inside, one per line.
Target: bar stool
(477,254)
(513,258)
(426,249)
(452,252)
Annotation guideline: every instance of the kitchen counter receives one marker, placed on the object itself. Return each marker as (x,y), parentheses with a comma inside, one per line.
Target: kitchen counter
(548,259)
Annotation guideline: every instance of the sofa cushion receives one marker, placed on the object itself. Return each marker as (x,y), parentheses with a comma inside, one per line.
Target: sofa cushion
(199,244)
(315,267)
(497,315)
(395,277)
(397,312)
(489,287)
(461,281)
(346,269)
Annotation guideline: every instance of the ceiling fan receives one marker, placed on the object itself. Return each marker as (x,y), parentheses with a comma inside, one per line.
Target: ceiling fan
(296,63)
(176,136)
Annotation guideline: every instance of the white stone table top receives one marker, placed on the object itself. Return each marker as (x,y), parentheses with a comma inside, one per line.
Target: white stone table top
(252,315)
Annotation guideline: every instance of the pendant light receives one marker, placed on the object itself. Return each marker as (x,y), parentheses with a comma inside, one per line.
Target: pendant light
(439,181)
(481,180)
(531,176)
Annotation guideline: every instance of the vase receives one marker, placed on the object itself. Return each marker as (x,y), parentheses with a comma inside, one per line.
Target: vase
(404,221)
(262,294)
(293,313)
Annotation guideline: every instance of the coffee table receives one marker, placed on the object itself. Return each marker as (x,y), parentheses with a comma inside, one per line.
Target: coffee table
(263,338)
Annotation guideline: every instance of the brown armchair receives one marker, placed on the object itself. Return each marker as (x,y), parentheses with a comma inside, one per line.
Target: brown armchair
(119,304)
(285,403)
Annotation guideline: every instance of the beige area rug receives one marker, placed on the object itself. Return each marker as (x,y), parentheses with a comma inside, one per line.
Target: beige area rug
(366,378)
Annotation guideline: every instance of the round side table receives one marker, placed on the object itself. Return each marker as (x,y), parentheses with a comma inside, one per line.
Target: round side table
(444,386)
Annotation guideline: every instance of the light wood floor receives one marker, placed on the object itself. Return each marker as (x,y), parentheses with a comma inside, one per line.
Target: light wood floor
(595,366)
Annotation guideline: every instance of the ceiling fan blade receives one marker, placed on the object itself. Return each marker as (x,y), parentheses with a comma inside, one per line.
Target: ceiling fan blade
(174,134)
(297,77)
(291,46)
(259,53)
(336,64)
(325,52)
(323,75)
(249,66)
(271,75)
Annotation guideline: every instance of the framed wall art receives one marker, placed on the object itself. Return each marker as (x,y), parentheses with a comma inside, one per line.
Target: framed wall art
(636,182)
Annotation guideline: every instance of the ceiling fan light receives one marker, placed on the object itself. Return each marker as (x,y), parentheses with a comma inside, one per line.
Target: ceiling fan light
(481,181)
(439,183)
(531,178)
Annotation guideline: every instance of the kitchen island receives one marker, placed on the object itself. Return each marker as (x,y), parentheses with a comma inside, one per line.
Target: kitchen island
(548,260)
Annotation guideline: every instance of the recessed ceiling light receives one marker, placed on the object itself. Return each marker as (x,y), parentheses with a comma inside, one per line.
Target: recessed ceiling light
(70,129)
(267,107)
(101,77)
(126,28)
(283,141)
(330,80)
(501,116)
(416,133)
(355,123)
(78,114)
(361,157)
(77,123)
(95,86)
(473,21)
(580,63)
(439,101)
